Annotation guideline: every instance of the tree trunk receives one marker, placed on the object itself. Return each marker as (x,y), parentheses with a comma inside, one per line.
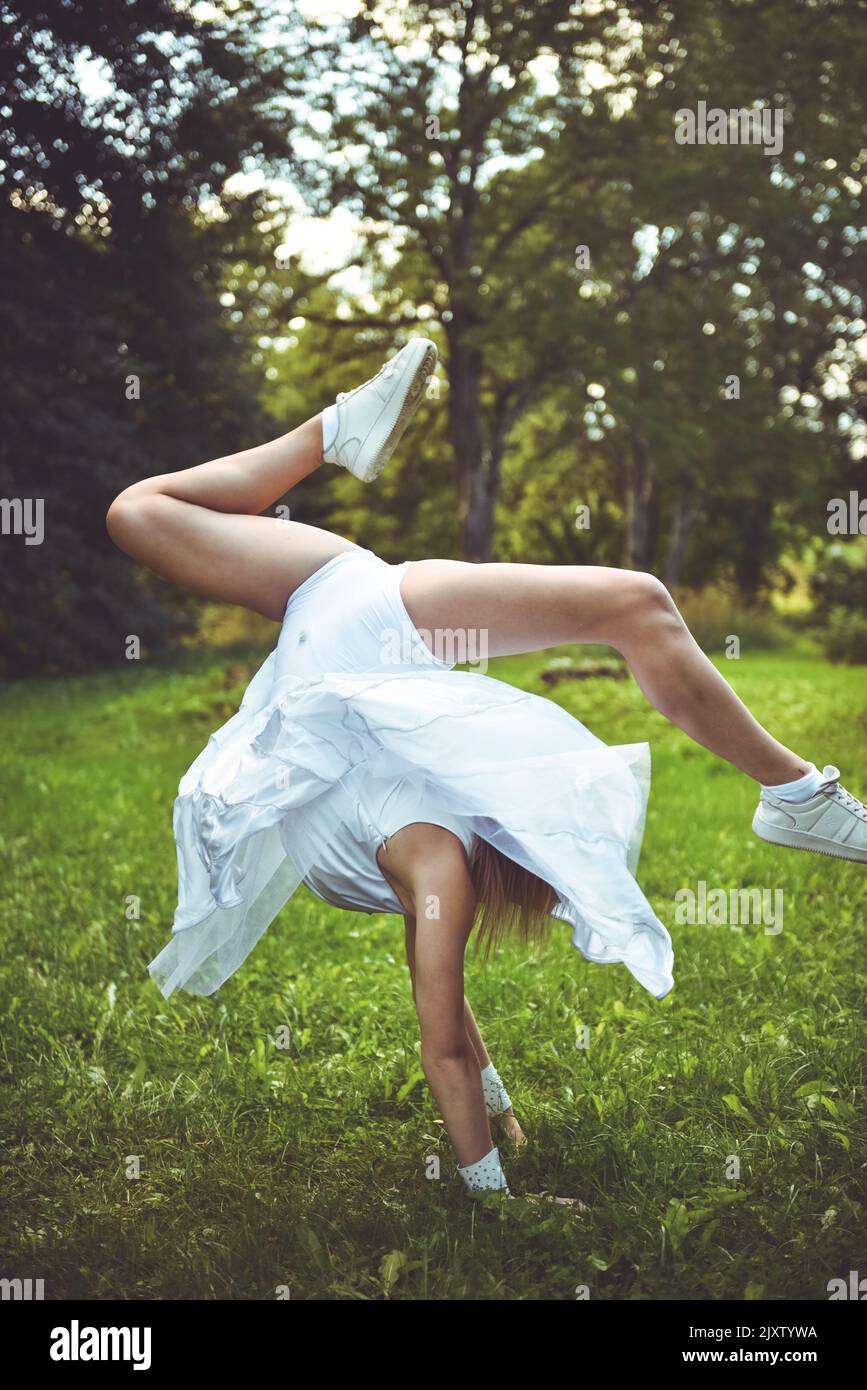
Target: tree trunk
(685,512)
(642,508)
(475,491)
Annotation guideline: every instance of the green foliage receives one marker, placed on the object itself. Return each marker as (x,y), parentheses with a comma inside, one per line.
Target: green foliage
(845,636)
(839,588)
(117,358)
(705,264)
(471,183)
(299,1159)
(715,615)
(840,577)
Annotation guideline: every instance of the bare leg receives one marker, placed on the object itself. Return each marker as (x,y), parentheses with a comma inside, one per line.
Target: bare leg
(199,527)
(525,608)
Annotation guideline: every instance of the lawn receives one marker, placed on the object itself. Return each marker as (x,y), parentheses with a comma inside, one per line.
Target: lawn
(279,1137)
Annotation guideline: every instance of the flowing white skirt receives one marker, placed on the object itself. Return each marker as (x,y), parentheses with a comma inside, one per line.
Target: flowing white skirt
(291,767)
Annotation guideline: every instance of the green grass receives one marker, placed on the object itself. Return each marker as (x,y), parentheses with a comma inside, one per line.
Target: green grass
(264,1166)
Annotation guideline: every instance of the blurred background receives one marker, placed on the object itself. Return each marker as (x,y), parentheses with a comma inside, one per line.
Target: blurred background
(654,354)
(214,217)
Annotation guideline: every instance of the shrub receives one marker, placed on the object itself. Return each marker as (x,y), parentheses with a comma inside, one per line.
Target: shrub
(845,637)
(840,577)
(713,615)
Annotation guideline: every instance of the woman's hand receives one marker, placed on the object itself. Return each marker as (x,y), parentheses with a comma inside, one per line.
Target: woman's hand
(513,1130)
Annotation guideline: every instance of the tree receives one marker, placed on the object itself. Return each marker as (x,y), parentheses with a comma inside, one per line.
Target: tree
(497,141)
(118,361)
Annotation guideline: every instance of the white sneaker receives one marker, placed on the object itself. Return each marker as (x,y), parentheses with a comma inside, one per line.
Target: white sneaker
(372,418)
(831,822)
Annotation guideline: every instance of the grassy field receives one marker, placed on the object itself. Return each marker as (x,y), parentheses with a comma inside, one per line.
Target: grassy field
(263,1166)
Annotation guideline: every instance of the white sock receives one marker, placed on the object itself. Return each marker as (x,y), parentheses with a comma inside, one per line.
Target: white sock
(496,1095)
(487,1175)
(801,789)
(329,427)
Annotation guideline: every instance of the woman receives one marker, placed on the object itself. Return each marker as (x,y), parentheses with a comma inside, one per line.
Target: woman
(361,764)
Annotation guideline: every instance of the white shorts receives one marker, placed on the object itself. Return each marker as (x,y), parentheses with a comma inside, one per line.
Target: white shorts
(350,616)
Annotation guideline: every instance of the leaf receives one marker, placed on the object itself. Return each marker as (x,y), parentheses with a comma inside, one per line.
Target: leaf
(813,1088)
(750,1087)
(729,1195)
(260,1066)
(736,1105)
(676,1224)
(409,1085)
(599,1262)
(309,1238)
(391,1267)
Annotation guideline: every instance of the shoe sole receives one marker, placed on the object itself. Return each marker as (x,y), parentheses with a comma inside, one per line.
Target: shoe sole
(412,397)
(797,839)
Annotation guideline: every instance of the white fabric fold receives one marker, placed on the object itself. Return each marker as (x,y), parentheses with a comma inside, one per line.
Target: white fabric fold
(519,770)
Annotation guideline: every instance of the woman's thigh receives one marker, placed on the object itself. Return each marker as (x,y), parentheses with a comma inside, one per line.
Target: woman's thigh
(512,608)
(255,561)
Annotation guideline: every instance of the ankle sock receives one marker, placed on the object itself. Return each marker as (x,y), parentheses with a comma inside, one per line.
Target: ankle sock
(486,1175)
(801,789)
(329,427)
(496,1095)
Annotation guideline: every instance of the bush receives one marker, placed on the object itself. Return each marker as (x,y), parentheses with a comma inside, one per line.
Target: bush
(713,615)
(840,578)
(845,637)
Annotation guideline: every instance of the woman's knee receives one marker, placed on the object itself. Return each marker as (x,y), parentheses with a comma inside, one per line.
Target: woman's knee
(646,609)
(132,515)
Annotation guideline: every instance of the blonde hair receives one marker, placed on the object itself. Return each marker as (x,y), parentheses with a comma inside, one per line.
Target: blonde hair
(509,898)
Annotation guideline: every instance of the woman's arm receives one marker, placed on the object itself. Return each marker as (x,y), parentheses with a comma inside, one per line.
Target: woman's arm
(427,867)
(447,1053)
(492,1085)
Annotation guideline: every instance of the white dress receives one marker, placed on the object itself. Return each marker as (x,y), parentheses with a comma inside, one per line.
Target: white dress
(352,729)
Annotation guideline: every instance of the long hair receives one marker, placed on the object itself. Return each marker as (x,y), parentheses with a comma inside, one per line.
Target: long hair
(509,899)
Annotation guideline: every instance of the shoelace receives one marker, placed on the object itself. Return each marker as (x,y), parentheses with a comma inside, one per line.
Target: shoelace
(386,372)
(840,795)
